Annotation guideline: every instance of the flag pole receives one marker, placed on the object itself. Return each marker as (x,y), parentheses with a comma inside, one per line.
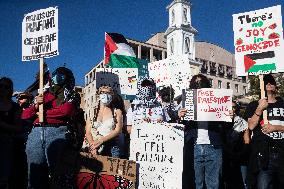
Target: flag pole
(262,95)
(104,61)
(41,88)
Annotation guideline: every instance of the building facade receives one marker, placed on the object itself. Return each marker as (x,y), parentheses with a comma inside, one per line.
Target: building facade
(211,60)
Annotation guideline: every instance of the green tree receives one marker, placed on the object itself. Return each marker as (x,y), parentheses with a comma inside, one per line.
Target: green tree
(255,88)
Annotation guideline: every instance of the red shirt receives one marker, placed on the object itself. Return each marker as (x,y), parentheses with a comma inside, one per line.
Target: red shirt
(53,114)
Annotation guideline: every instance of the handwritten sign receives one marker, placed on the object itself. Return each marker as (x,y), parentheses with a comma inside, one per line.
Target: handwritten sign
(89,171)
(158,149)
(40,34)
(110,172)
(208,104)
(171,71)
(123,80)
(258,39)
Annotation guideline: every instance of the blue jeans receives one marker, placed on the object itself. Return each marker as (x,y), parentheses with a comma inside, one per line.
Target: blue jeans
(207,165)
(272,177)
(43,149)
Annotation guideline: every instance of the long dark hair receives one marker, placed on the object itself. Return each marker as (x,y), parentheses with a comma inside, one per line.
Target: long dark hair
(203,82)
(10,84)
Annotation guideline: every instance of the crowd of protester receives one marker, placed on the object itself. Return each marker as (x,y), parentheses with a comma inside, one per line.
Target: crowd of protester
(246,153)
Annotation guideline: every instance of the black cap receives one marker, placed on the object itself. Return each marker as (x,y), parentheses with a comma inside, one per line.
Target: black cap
(269,79)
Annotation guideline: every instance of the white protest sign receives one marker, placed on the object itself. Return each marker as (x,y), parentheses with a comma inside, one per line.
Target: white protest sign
(123,80)
(258,38)
(158,149)
(208,104)
(40,34)
(174,71)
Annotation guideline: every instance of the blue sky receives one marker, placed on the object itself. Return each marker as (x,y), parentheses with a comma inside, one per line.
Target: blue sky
(82,24)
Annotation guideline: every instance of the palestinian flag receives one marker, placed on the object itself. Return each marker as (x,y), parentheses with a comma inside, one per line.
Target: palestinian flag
(118,53)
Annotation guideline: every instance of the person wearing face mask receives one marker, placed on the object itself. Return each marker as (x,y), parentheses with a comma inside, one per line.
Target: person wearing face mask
(47,140)
(103,131)
(170,113)
(145,106)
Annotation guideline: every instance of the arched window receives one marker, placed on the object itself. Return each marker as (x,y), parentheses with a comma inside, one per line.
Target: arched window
(187,45)
(185,15)
(173,16)
(172,46)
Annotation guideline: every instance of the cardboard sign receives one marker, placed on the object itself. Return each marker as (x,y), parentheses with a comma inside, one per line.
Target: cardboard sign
(109,172)
(208,104)
(40,34)
(122,80)
(258,39)
(157,148)
(171,71)
(89,171)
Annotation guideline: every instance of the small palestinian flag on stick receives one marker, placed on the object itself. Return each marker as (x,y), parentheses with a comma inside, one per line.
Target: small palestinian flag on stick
(118,53)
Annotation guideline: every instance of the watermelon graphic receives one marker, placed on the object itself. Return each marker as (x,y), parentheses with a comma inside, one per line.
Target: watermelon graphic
(239,41)
(272,26)
(273,36)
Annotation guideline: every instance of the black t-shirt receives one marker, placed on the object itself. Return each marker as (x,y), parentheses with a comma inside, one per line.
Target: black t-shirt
(275,116)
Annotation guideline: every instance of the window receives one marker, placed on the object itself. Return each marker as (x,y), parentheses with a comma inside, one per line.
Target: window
(245,89)
(228,85)
(172,46)
(219,84)
(173,17)
(211,82)
(237,88)
(187,45)
(185,15)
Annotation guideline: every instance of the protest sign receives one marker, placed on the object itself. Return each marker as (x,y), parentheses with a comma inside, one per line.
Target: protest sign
(93,172)
(174,71)
(106,172)
(208,104)
(258,38)
(122,80)
(157,149)
(40,34)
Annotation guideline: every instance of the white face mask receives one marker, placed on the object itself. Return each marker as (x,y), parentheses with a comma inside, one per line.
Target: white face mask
(105,98)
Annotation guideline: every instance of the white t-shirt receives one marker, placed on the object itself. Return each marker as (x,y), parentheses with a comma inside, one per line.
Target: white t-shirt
(202,133)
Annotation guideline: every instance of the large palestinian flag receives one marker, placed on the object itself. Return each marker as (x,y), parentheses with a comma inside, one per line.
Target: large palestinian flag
(118,53)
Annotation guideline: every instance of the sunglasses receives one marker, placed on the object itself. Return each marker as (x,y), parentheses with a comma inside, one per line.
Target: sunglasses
(22,97)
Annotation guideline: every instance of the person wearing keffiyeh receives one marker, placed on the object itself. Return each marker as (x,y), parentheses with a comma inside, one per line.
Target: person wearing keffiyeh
(145,106)
(48,139)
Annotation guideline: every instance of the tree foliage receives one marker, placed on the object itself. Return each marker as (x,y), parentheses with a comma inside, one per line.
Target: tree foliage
(255,86)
